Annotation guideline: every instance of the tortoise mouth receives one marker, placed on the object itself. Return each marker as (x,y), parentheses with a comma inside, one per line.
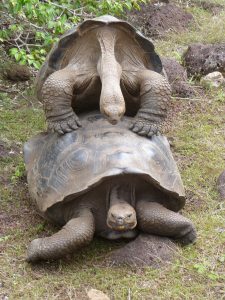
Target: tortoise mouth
(121,227)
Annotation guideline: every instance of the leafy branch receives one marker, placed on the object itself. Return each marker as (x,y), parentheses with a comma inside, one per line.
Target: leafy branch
(28,28)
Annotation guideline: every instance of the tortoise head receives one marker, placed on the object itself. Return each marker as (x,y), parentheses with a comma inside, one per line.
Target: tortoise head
(121,217)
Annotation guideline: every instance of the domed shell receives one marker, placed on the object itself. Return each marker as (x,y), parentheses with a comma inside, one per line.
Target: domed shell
(56,58)
(71,164)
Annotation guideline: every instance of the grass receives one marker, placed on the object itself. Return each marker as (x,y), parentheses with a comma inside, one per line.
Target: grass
(198,146)
(205,28)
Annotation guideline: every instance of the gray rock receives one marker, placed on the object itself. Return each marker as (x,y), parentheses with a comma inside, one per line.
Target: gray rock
(177,77)
(145,250)
(214,79)
(97,295)
(202,59)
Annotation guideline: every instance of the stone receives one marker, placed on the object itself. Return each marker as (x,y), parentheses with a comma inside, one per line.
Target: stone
(214,79)
(177,77)
(15,72)
(145,250)
(200,59)
(97,295)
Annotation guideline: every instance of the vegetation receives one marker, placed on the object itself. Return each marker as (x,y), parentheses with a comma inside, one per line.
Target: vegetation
(32,26)
(197,136)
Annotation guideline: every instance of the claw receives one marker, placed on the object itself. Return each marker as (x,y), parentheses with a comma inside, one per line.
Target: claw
(50,127)
(78,122)
(143,132)
(65,127)
(150,134)
(73,123)
(74,126)
(131,126)
(138,127)
(57,128)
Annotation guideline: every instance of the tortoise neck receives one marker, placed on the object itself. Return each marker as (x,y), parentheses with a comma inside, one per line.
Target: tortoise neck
(120,194)
(111,100)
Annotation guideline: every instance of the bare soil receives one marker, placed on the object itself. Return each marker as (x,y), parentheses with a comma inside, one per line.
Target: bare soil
(156,20)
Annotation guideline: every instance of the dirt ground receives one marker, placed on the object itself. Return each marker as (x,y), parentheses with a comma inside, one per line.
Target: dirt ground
(157,20)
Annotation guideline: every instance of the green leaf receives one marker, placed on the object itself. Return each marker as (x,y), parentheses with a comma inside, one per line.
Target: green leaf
(13,51)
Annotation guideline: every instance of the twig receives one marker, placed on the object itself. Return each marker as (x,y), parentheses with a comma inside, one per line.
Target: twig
(129,295)
(72,11)
(19,19)
(187,99)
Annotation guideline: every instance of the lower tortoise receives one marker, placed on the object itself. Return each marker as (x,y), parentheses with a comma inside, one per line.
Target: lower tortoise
(103,179)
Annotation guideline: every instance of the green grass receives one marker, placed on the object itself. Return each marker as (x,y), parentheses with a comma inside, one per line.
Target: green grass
(198,146)
(205,28)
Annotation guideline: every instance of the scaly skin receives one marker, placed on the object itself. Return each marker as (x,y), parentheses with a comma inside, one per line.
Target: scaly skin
(77,233)
(57,93)
(150,217)
(154,97)
(154,218)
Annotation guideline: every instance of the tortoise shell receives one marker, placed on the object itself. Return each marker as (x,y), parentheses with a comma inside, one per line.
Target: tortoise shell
(65,51)
(72,164)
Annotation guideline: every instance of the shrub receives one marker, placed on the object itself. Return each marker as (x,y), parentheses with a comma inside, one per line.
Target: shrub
(30,27)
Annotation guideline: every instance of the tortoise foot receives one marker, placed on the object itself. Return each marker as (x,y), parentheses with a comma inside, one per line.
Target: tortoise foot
(144,127)
(63,126)
(33,251)
(188,238)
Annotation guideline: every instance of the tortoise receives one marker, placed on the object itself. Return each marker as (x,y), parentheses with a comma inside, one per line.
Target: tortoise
(103,58)
(105,180)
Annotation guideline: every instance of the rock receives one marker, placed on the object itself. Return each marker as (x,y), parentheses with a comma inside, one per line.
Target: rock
(158,19)
(221,185)
(214,79)
(201,59)
(177,76)
(97,295)
(16,72)
(145,250)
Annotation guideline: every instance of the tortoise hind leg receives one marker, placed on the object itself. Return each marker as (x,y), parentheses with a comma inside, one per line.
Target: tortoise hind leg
(77,233)
(154,218)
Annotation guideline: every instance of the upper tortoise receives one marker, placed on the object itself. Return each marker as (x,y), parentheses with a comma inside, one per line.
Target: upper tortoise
(107,59)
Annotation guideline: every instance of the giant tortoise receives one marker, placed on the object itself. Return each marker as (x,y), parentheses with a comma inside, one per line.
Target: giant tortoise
(103,179)
(107,59)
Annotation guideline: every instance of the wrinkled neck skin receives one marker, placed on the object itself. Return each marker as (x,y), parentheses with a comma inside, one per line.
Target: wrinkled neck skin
(112,103)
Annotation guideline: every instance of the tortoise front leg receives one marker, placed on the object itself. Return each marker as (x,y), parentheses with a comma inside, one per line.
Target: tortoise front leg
(155,219)
(155,92)
(77,233)
(57,93)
